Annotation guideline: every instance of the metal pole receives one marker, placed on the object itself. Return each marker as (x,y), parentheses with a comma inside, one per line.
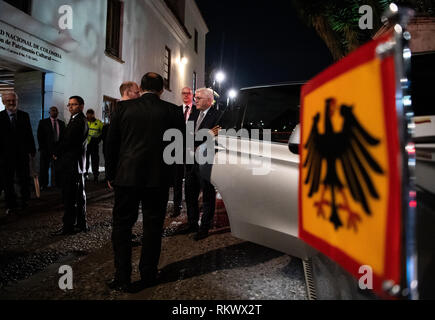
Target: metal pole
(400,18)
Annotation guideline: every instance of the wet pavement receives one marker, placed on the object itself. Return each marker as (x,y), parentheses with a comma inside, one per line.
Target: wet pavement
(219,267)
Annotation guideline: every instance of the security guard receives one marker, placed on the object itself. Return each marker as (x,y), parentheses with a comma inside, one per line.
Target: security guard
(94,138)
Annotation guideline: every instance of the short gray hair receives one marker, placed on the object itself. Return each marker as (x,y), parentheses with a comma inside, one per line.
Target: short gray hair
(7,93)
(206,92)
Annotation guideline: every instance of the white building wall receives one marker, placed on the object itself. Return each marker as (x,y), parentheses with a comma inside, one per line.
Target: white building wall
(90,73)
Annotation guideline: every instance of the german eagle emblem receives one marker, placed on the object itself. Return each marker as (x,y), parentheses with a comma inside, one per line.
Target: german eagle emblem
(349,147)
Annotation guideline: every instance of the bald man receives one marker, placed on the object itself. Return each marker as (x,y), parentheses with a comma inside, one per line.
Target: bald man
(129,90)
(135,168)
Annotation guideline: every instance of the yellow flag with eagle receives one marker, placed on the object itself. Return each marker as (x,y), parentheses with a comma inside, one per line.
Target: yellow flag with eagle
(349,182)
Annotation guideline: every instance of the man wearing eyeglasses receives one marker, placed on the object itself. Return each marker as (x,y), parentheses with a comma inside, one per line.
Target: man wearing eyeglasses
(188,108)
(70,166)
(204,117)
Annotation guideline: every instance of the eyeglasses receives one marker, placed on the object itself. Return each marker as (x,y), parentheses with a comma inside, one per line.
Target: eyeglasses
(199,98)
(183,93)
(72,104)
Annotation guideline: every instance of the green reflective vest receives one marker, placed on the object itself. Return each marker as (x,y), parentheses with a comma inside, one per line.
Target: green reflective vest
(95,129)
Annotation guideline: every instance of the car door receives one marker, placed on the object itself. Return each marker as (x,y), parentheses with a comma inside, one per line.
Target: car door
(256,173)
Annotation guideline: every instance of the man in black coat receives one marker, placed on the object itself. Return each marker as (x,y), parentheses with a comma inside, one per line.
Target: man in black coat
(188,108)
(49,132)
(204,117)
(17,145)
(70,156)
(138,173)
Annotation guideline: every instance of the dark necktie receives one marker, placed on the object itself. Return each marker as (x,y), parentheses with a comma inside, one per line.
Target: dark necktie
(13,121)
(186,112)
(56,137)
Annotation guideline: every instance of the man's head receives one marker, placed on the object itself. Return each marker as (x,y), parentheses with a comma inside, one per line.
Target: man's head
(54,112)
(129,90)
(187,95)
(10,100)
(90,114)
(152,82)
(76,105)
(204,98)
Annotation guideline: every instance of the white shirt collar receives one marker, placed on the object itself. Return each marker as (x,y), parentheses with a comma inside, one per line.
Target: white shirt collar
(205,111)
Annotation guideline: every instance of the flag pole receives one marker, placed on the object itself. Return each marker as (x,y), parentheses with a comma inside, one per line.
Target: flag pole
(399,18)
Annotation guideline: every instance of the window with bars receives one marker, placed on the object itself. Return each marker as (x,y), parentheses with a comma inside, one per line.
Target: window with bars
(194,81)
(167,68)
(114,28)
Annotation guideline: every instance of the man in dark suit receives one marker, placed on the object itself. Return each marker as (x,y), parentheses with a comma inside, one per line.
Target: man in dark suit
(204,117)
(188,108)
(70,156)
(137,171)
(49,132)
(17,145)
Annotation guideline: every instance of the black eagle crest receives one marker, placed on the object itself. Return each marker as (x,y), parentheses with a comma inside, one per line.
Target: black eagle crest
(349,147)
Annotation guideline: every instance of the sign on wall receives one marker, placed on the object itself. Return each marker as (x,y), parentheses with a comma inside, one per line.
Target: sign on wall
(27,49)
(350,182)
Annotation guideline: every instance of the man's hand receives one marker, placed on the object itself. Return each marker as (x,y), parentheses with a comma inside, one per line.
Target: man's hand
(54,157)
(215,131)
(109,184)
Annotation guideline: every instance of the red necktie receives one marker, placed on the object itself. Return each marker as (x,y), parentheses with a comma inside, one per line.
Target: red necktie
(186,112)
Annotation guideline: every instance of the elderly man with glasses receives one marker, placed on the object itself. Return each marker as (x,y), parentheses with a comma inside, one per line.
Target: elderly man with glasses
(204,117)
(17,145)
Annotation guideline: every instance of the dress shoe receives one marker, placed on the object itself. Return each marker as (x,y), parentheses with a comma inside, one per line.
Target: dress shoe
(63,232)
(24,205)
(188,230)
(81,229)
(118,285)
(176,213)
(147,283)
(148,279)
(202,234)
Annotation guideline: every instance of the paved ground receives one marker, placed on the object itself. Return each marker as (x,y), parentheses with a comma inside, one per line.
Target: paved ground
(218,267)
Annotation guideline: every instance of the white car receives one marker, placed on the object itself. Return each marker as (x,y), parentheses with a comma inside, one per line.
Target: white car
(258,179)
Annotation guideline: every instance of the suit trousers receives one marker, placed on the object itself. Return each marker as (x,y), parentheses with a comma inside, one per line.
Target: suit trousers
(18,168)
(46,163)
(194,184)
(125,214)
(74,199)
(93,153)
(178,185)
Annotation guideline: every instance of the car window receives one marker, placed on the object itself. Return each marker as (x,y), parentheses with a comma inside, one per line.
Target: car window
(423,83)
(273,107)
